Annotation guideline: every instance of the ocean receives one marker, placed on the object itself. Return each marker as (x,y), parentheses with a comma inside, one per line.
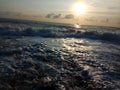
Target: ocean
(53,56)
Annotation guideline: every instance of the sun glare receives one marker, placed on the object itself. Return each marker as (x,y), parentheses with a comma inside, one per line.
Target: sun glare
(77,26)
(79,8)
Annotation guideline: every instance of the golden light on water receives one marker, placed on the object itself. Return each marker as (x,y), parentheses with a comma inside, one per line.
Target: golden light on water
(79,8)
(77,26)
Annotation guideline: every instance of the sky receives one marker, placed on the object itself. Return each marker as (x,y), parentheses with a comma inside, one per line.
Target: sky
(98,12)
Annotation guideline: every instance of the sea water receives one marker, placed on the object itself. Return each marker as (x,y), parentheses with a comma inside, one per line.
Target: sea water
(42,56)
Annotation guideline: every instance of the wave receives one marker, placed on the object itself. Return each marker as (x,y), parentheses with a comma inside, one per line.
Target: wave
(48,30)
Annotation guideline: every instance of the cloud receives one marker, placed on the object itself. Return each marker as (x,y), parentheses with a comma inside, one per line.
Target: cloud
(69,16)
(50,15)
(57,16)
(54,16)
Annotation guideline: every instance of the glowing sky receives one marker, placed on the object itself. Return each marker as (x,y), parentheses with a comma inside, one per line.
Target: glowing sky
(99,12)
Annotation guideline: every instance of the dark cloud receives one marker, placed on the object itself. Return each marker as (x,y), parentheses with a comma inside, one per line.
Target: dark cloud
(69,16)
(50,15)
(57,16)
(54,16)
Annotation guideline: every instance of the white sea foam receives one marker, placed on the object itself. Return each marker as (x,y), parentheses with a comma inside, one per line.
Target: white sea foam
(59,54)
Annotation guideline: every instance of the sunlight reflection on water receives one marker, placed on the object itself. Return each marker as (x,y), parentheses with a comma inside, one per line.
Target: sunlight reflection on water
(77,26)
(77,44)
(94,56)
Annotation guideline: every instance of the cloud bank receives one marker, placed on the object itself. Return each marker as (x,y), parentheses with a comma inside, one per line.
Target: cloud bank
(69,16)
(54,16)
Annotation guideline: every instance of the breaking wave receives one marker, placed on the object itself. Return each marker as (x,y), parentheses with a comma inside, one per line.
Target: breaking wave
(67,58)
(53,30)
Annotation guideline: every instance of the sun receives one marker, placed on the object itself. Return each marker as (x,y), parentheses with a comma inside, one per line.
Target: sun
(79,8)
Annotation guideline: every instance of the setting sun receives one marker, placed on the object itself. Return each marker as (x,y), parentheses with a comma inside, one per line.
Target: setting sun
(79,8)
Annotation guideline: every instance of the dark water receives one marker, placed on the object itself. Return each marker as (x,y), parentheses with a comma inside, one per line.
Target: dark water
(49,56)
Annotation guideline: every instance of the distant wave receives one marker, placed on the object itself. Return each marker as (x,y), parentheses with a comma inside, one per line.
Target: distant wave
(60,31)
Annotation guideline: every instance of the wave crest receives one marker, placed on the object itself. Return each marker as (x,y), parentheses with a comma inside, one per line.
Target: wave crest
(59,31)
